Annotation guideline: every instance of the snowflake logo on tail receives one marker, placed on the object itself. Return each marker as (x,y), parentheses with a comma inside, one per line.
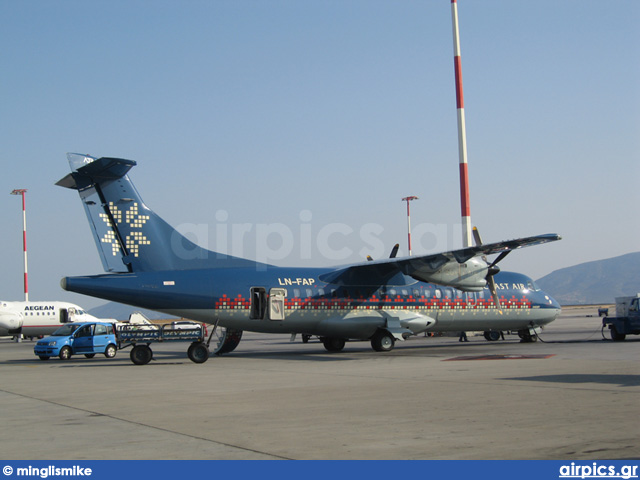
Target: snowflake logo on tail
(134,220)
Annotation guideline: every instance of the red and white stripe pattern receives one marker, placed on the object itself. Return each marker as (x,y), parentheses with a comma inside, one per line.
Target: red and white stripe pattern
(22,191)
(462,134)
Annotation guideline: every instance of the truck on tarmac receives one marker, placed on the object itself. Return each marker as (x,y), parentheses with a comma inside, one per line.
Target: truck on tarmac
(627,319)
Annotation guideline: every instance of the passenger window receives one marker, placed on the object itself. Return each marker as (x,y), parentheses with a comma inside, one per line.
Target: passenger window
(101,330)
(85,331)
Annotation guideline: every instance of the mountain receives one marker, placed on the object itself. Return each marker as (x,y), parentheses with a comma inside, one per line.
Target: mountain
(596,282)
(120,311)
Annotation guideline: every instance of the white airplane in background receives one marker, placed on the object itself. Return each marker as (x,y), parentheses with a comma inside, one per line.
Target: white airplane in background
(34,319)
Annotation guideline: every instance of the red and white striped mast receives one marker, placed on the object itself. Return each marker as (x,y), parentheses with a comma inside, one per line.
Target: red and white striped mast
(22,191)
(409,199)
(462,134)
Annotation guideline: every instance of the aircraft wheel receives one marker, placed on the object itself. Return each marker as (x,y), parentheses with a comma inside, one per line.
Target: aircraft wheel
(615,336)
(526,337)
(305,338)
(492,335)
(65,353)
(198,352)
(383,341)
(89,355)
(141,354)
(44,357)
(226,340)
(333,344)
(110,351)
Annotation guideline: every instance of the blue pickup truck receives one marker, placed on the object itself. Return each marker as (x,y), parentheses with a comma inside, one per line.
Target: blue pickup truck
(86,339)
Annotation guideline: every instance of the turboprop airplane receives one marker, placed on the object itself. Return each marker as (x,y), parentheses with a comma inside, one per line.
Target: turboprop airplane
(34,319)
(151,265)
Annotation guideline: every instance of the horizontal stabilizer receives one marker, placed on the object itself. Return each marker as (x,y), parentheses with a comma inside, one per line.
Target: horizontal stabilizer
(88,171)
(130,237)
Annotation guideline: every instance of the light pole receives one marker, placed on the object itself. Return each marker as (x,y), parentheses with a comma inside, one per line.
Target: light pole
(462,132)
(408,199)
(22,191)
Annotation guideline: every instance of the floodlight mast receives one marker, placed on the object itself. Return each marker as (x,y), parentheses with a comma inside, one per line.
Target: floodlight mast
(462,133)
(22,191)
(409,199)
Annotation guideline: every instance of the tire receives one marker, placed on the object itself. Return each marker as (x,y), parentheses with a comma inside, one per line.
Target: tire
(383,341)
(492,335)
(615,336)
(89,355)
(65,353)
(44,357)
(198,353)
(333,344)
(526,337)
(141,354)
(227,340)
(110,351)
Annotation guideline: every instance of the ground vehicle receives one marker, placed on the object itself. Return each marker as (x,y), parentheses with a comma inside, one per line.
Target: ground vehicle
(86,338)
(627,319)
(140,338)
(89,338)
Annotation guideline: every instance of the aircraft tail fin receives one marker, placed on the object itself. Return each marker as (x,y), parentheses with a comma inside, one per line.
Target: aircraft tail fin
(129,236)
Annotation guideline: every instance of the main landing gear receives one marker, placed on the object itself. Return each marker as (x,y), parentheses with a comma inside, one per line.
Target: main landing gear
(382,341)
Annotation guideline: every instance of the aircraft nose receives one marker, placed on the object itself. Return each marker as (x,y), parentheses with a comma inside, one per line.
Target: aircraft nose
(552,302)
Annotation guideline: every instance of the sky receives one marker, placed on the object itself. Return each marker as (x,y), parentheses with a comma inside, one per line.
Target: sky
(290,131)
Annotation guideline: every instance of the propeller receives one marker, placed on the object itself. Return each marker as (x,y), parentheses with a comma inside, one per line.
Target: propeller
(394,252)
(492,269)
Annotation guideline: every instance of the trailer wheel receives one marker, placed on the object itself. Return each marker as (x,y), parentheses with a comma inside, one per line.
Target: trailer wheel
(65,353)
(141,354)
(615,336)
(198,352)
(110,351)
(44,357)
(89,355)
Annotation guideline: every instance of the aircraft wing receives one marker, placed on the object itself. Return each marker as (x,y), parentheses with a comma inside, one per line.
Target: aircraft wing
(428,268)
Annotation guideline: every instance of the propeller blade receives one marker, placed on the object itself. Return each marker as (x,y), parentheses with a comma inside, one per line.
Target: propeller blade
(500,258)
(394,251)
(494,293)
(476,237)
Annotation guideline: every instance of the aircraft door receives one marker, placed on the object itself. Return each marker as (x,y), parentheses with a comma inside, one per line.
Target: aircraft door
(64,315)
(258,303)
(276,303)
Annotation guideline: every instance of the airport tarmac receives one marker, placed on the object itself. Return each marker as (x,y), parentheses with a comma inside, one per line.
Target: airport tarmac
(571,396)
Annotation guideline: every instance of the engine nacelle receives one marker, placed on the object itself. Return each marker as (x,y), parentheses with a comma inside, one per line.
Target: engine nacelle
(470,276)
(10,322)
